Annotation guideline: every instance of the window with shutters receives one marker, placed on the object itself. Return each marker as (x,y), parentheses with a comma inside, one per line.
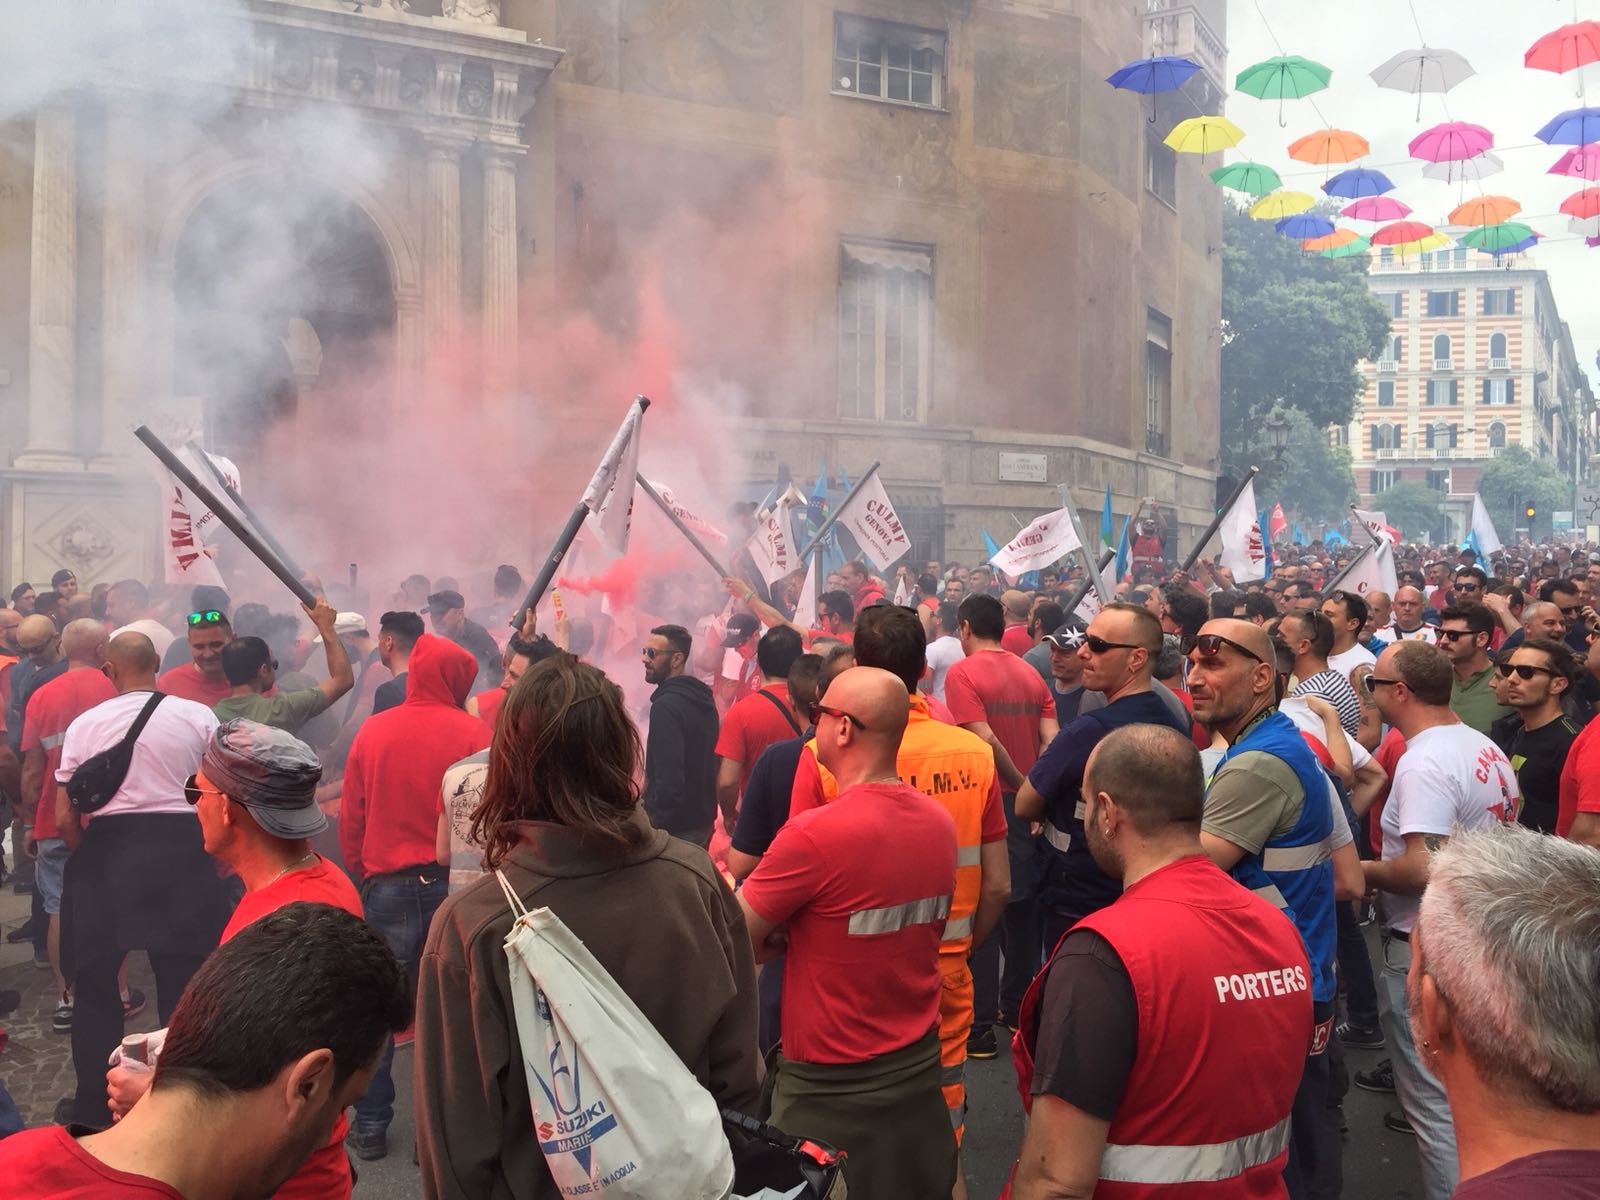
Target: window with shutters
(1499,302)
(1440,437)
(885,321)
(1386,394)
(1393,302)
(1382,481)
(1160,169)
(1497,347)
(883,60)
(1500,390)
(1439,480)
(1385,437)
(1157,381)
(1497,435)
(1444,304)
(1442,392)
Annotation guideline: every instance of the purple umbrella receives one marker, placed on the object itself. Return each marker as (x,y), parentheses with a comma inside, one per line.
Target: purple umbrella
(1575,127)
(1358,182)
(1451,142)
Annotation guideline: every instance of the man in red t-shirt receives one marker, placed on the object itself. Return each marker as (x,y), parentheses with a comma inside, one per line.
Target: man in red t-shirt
(1578,804)
(759,720)
(862,887)
(255,795)
(277,1032)
(1016,639)
(998,696)
(201,679)
(51,708)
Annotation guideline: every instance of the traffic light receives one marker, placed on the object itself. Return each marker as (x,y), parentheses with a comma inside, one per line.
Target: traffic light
(1530,512)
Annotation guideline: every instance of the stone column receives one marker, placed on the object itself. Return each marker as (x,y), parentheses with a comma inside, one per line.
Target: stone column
(53,294)
(126,297)
(499,270)
(441,248)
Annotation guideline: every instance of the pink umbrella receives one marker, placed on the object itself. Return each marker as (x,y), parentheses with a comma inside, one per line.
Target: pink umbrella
(1451,142)
(1376,208)
(1581,161)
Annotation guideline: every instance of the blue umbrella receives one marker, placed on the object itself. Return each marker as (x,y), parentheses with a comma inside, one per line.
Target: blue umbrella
(1527,243)
(1304,225)
(1575,127)
(1164,73)
(1358,182)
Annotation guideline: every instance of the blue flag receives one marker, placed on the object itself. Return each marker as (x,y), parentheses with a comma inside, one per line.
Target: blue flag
(990,549)
(1107,528)
(1299,535)
(1333,536)
(1266,544)
(1472,544)
(1123,552)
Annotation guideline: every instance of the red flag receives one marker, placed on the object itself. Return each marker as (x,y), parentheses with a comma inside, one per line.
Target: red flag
(1277,523)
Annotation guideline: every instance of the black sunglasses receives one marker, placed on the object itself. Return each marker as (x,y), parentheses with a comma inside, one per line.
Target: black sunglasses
(192,791)
(1450,635)
(1209,645)
(1521,670)
(652,653)
(1567,612)
(1466,587)
(1098,645)
(1371,683)
(837,713)
(209,617)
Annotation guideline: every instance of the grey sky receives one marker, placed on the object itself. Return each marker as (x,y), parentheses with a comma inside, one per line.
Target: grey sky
(1355,36)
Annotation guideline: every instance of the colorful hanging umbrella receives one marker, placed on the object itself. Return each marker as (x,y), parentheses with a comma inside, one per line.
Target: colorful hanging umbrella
(1484,210)
(1203,135)
(1349,250)
(1356,182)
(1493,237)
(1450,142)
(1329,146)
(1587,226)
(1575,127)
(1424,70)
(1287,77)
(1304,225)
(1400,233)
(1584,204)
(1434,241)
(1527,243)
(1278,205)
(1582,162)
(1332,241)
(1565,49)
(1592,242)
(1164,73)
(1480,166)
(1376,208)
(1254,178)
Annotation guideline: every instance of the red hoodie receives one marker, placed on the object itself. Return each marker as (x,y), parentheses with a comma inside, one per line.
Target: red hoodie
(389,811)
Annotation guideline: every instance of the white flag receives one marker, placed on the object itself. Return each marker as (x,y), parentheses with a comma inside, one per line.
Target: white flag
(186,559)
(205,521)
(1374,573)
(1039,545)
(1483,528)
(1378,523)
(609,496)
(1242,551)
(772,545)
(871,518)
(1090,604)
(805,609)
(695,522)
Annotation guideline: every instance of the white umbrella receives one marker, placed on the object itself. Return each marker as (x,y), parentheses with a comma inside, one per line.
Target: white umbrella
(1588,226)
(1478,167)
(1424,70)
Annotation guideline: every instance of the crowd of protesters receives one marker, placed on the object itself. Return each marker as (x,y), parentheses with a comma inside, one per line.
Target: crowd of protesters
(829,860)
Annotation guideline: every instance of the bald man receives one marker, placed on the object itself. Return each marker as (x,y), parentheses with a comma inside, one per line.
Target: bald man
(39,661)
(1409,626)
(1541,619)
(51,709)
(10,655)
(860,888)
(1269,824)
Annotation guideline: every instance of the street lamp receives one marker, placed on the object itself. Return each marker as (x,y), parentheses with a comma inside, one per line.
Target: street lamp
(1277,433)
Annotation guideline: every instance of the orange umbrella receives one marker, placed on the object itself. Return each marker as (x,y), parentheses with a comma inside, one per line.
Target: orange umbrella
(1329,146)
(1331,241)
(1485,210)
(1583,205)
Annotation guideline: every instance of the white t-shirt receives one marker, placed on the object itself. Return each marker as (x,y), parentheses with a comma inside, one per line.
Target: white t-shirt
(943,653)
(160,636)
(1357,656)
(1450,778)
(166,754)
(1422,633)
(1306,721)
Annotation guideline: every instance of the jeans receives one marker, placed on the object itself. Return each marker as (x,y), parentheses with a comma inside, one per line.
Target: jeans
(400,906)
(1016,936)
(1355,965)
(1422,1096)
(1309,1148)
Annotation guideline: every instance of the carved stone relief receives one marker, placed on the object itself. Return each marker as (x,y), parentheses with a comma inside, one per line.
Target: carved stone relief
(1022,99)
(732,53)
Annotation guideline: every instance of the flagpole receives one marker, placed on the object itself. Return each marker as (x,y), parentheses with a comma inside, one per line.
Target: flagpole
(552,562)
(1095,579)
(1216,523)
(235,525)
(1071,606)
(246,511)
(1333,584)
(833,517)
(1362,522)
(722,571)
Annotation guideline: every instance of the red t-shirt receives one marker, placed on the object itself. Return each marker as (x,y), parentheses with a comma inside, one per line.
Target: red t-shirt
(1016,640)
(48,1164)
(1580,779)
(864,885)
(1005,692)
(187,683)
(753,724)
(489,704)
(50,710)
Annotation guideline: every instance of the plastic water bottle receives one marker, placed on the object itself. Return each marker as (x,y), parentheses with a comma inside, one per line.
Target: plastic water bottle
(136,1052)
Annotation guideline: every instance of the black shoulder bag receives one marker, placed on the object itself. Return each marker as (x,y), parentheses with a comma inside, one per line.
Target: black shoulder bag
(784,709)
(99,776)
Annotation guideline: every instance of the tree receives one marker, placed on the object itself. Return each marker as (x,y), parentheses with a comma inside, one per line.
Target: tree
(1413,509)
(1312,479)
(1517,479)
(1294,326)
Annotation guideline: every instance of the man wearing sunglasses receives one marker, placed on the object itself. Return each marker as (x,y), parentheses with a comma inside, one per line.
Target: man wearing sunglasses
(39,661)
(1268,823)
(680,752)
(1464,636)
(201,679)
(1538,677)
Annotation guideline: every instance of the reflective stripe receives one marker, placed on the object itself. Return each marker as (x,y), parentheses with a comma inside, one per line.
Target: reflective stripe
(899,916)
(951,1075)
(51,740)
(1296,858)
(1078,810)
(957,929)
(1209,1163)
(1061,841)
(1271,895)
(968,856)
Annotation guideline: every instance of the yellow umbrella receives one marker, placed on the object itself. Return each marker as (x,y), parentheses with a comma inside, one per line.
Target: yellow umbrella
(1331,241)
(1329,146)
(1275,206)
(1485,210)
(1202,135)
(1434,241)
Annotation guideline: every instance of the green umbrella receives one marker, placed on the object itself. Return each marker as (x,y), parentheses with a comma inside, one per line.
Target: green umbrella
(1255,178)
(1496,237)
(1287,77)
(1349,250)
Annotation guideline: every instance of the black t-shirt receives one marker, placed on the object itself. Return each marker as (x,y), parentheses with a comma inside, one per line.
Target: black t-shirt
(765,805)
(391,693)
(475,640)
(1538,755)
(1088,1026)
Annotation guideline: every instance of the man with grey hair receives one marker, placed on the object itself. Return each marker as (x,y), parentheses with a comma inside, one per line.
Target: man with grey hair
(1502,998)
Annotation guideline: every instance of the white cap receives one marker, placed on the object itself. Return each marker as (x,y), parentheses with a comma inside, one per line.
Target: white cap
(345,622)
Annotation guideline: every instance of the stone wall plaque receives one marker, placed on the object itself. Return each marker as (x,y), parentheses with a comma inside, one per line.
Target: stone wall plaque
(1024,468)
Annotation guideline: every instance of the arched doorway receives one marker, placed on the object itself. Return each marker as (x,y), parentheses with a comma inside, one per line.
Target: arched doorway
(278,285)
